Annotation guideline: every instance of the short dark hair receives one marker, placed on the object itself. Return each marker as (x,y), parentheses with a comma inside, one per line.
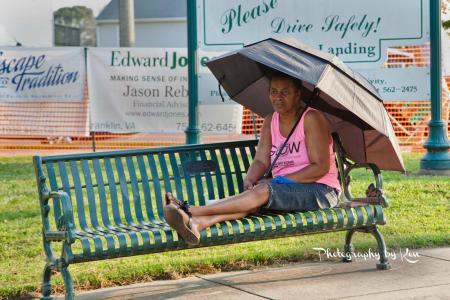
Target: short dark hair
(277,74)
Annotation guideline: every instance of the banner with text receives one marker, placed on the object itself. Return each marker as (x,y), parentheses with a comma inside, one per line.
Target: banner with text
(41,75)
(359,32)
(146,90)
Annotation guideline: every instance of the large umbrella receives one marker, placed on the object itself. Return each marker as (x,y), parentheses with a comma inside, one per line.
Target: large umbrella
(350,103)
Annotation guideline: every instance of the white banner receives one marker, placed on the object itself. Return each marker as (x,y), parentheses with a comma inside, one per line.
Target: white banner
(41,75)
(361,33)
(146,90)
(392,86)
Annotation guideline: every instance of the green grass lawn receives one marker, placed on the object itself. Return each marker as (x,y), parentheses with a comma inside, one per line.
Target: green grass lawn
(418,216)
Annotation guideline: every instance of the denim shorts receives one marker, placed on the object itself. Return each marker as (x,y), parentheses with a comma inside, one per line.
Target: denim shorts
(292,196)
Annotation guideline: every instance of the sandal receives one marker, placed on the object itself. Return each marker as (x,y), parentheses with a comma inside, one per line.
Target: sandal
(372,191)
(170,199)
(173,213)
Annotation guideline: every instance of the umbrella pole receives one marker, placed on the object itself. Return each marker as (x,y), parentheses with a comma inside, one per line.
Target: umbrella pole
(437,159)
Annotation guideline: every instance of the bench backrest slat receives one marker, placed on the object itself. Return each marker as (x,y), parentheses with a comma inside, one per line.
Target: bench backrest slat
(78,195)
(237,169)
(244,156)
(165,174)
(135,189)
(90,193)
(64,178)
(227,169)
(112,191)
(219,181)
(124,190)
(53,187)
(157,187)
(176,176)
(198,186)
(101,193)
(208,177)
(145,187)
(187,182)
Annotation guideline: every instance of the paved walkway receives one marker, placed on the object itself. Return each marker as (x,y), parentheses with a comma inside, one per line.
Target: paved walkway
(428,278)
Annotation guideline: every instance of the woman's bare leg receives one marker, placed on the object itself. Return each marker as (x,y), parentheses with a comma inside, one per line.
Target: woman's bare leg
(245,202)
(231,208)
(202,222)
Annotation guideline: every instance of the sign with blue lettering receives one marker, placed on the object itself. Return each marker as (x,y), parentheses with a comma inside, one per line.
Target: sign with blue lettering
(146,90)
(41,75)
(361,33)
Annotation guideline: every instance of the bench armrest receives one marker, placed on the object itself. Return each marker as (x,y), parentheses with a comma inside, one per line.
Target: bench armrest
(65,224)
(374,193)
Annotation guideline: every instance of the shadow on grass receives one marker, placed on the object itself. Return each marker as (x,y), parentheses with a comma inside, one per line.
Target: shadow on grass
(14,215)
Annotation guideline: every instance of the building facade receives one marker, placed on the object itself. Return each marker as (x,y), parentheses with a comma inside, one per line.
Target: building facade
(158,23)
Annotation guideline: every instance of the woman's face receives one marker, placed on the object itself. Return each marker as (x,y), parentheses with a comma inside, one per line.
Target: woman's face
(284,95)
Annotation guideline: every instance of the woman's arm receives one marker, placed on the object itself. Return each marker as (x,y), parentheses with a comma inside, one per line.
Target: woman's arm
(262,158)
(317,137)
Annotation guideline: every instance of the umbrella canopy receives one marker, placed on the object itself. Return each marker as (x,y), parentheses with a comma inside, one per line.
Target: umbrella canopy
(350,103)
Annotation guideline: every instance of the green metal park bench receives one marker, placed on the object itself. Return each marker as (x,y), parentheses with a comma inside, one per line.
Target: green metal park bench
(99,206)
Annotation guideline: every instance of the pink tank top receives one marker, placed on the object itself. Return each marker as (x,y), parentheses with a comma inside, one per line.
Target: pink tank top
(294,156)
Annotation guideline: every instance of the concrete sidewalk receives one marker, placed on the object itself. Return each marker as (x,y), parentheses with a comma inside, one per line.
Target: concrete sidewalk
(427,278)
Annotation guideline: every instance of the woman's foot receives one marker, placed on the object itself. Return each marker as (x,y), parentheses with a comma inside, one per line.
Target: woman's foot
(170,199)
(372,191)
(177,215)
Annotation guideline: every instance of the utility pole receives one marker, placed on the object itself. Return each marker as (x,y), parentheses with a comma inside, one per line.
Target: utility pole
(437,159)
(126,23)
(192,132)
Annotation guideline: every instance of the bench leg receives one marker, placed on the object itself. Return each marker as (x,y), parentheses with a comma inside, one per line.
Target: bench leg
(68,283)
(383,264)
(46,286)
(348,248)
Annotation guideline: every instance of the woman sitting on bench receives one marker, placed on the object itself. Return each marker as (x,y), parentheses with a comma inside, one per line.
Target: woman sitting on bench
(305,174)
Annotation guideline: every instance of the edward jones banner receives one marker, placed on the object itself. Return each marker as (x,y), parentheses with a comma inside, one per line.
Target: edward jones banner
(146,90)
(41,75)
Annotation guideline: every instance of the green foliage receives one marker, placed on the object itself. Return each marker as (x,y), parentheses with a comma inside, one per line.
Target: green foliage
(417,217)
(446,24)
(76,16)
(68,19)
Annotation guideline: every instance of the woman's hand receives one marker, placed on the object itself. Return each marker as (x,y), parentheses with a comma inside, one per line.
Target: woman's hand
(248,185)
